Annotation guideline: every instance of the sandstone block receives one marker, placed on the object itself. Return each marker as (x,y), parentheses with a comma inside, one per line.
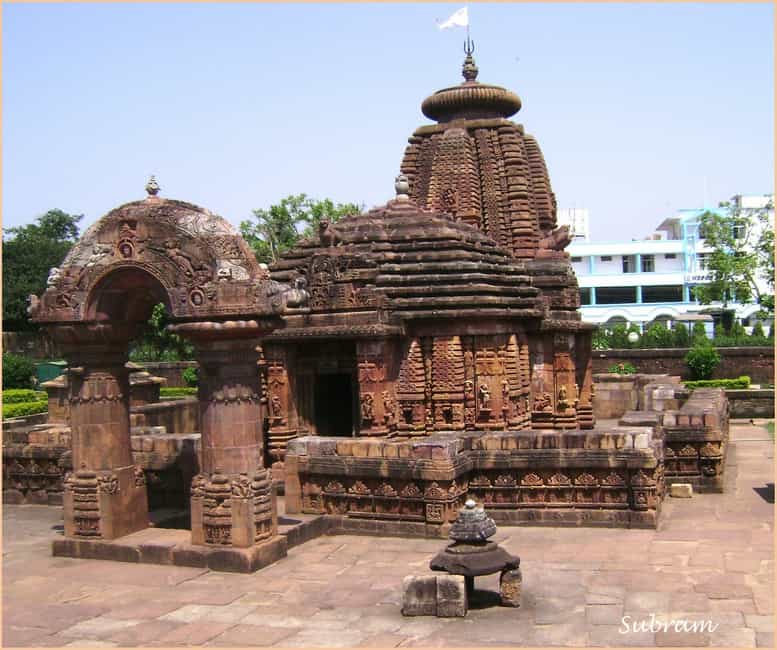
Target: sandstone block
(419,595)
(510,587)
(641,440)
(451,596)
(681,490)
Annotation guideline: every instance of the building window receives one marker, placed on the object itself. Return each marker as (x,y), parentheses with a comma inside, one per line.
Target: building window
(738,231)
(702,259)
(671,293)
(628,264)
(606,258)
(616,295)
(669,256)
(577,259)
(648,264)
(585,296)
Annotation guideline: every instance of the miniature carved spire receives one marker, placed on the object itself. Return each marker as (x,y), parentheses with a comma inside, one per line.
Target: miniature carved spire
(152,187)
(402,187)
(469,69)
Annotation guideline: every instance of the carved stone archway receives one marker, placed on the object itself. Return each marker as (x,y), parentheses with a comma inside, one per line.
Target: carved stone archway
(137,255)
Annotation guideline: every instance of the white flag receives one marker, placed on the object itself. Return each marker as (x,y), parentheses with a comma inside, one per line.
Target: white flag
(459,18)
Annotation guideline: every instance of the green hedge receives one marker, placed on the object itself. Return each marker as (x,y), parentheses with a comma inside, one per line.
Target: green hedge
(24,408)
(739,382)
(17,395)
(179,391)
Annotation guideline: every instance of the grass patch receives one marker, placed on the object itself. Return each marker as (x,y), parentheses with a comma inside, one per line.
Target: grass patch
(739,382)
(177,391)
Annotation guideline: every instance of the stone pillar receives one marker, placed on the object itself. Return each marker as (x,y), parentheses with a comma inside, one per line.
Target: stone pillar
(585,386)
(232,502)
(105,497)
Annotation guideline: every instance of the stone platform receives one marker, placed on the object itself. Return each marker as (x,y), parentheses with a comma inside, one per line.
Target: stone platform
(610,476)
(711,559)
(172,546)
(161,546)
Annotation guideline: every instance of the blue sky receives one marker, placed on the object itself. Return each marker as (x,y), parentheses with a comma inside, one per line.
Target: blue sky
(637,107)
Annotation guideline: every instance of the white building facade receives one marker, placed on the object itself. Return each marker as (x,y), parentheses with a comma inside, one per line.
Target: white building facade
(653,279)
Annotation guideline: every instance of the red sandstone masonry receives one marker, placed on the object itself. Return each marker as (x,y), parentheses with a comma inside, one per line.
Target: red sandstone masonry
(610,477)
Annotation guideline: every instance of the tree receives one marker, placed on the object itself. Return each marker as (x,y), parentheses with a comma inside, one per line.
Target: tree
(741,263)
(280,227)
(156,343)
(28,254)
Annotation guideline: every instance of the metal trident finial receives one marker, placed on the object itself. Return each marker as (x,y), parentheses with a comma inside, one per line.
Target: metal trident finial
(469,46)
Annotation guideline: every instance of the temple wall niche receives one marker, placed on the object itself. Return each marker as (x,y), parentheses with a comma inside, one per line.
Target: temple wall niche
(377,398)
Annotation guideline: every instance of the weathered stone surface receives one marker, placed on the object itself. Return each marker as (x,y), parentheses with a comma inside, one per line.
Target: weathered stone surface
(681,490)
(451,596)
(419,595)
(510,585)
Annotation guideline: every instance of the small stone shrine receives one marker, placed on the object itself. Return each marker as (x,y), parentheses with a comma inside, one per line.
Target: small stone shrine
(471,554)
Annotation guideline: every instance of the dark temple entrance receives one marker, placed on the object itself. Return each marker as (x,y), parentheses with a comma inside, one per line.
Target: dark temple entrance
(333,399)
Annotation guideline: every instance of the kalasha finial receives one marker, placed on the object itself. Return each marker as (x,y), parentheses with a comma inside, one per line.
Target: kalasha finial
(402,187)
(152,187)
(469,69)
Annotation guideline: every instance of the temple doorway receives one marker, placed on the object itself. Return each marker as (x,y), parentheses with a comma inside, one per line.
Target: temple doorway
(334,404)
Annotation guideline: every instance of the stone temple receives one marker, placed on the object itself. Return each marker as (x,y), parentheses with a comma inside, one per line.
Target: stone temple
(451,308)
(381,372)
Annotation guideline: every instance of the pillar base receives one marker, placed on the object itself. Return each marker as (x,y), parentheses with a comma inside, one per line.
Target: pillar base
(105,504)
(233,511)
(172,547)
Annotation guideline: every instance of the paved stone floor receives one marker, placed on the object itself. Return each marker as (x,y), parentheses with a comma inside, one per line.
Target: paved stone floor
(710,560)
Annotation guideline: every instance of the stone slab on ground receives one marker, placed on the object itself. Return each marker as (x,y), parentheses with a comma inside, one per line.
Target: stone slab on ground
(716,553)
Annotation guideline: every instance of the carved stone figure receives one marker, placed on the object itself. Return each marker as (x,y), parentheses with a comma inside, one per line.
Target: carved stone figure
(484,396)
(367,407)
(543,402)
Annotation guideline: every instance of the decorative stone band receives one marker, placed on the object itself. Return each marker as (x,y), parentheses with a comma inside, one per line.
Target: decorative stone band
(612,477)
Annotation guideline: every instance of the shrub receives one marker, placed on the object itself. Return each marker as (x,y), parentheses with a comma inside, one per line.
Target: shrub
(177,391)
(24,408)
(699,333)
(17,395)
(739,382)
(758,330)
(657,336)
(680,336)
(600,340)
(624,368)
(190,377)
(18,371)
(702,361)
(619,336)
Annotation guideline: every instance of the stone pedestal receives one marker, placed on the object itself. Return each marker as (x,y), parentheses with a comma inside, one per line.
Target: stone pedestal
(105,497)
